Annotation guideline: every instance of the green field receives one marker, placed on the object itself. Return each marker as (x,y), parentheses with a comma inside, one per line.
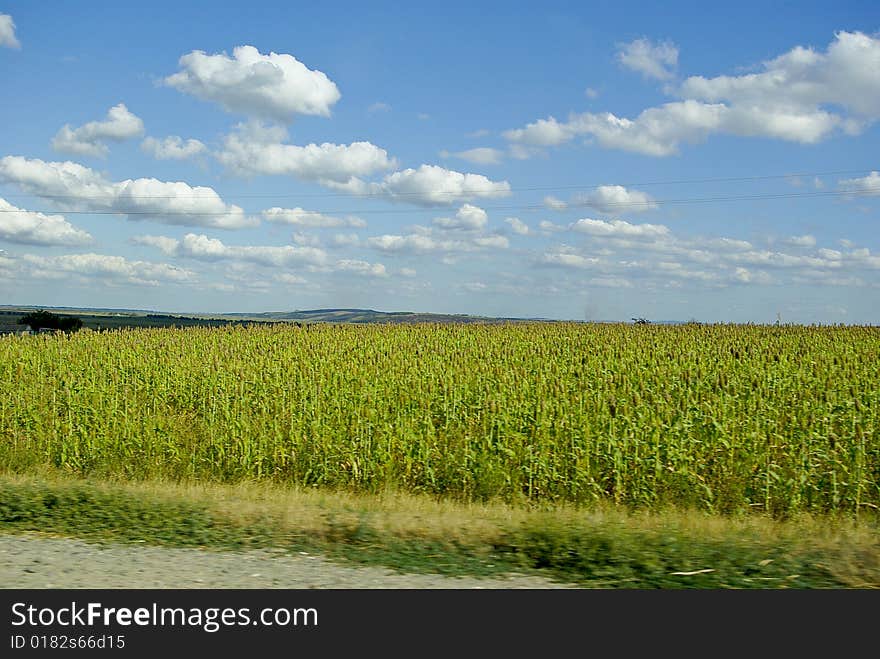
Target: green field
(724,419)
(633,456)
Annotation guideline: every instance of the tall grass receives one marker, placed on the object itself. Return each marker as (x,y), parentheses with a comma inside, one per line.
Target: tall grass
(725,418)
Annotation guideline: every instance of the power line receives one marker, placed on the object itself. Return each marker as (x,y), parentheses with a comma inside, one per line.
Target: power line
(585,204)
(386,195)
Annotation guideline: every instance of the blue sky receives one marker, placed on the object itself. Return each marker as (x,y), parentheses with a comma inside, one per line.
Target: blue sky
(558,160)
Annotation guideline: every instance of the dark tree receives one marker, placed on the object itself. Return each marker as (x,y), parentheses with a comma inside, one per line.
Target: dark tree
(41,319)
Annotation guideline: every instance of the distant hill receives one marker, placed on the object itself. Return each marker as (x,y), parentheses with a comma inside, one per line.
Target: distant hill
(373,316)
(118,318)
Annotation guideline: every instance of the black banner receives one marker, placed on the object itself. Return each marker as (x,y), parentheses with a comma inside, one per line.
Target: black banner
(414,622)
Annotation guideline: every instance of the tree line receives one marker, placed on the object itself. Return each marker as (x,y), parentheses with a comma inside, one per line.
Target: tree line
(41,319)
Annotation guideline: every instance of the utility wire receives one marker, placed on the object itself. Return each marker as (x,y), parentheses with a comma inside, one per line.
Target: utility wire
(584,187)
(584,204)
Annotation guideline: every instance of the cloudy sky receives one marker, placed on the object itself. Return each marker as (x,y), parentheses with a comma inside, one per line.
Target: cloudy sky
(552,160)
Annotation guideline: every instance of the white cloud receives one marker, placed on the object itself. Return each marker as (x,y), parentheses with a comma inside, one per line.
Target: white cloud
(7,32)
(619,229)
(31,228)
(289,279)
(494,241)
(589,92)
(72,186)
(543,132)
(113,269)
(423,241)
(254,148)
(361,267)
(300,217)
(468,218)
(409,243)
(345,240)
(203,248)
(479,156)
(177,203)
(610,282)
(306,239)
(379,106)
(802,241)
(408,272)
(274,86)
(616,198)
(724,244)
(555,204)
(517,226)
(568,260)
(164,243)
(430,185)
(656,131)
(847,74)
(549,227)
(652,60)
(746,276)
(89,139)
(172,148)
(801,96)
(830,254)
(866,185)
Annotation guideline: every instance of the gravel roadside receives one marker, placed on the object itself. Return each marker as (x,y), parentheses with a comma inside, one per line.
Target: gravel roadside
(28,561)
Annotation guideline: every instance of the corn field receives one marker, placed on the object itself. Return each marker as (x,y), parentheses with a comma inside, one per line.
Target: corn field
(726,418)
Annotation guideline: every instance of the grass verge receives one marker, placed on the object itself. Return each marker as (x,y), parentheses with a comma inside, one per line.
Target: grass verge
(593,548)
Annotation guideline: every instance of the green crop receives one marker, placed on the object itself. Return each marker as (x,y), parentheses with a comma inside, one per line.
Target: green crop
(726,418)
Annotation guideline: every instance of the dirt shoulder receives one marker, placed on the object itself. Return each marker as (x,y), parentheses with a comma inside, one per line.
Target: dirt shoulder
(31,561)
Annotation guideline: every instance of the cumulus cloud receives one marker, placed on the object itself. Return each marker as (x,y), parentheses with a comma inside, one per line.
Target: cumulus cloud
(847,74)
(289,279)
(429,185)
(345,240)
(479,156)
(89,139)
(361,268)
(423,241)
(72,186)
(379,106)
(549,227)
(203,248)
(303,218)
(255,148)
(112,269)
(172,148)
(555,204)
(619,229)
(802,241)
(543,132)
(569,260)
(610,282)
(274,86)
(517,226)
(652,60)
(801,96)
(468,218)
(616,198)
(866,185)
(31,228)
(652,256)
(656,131)
(7,32)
